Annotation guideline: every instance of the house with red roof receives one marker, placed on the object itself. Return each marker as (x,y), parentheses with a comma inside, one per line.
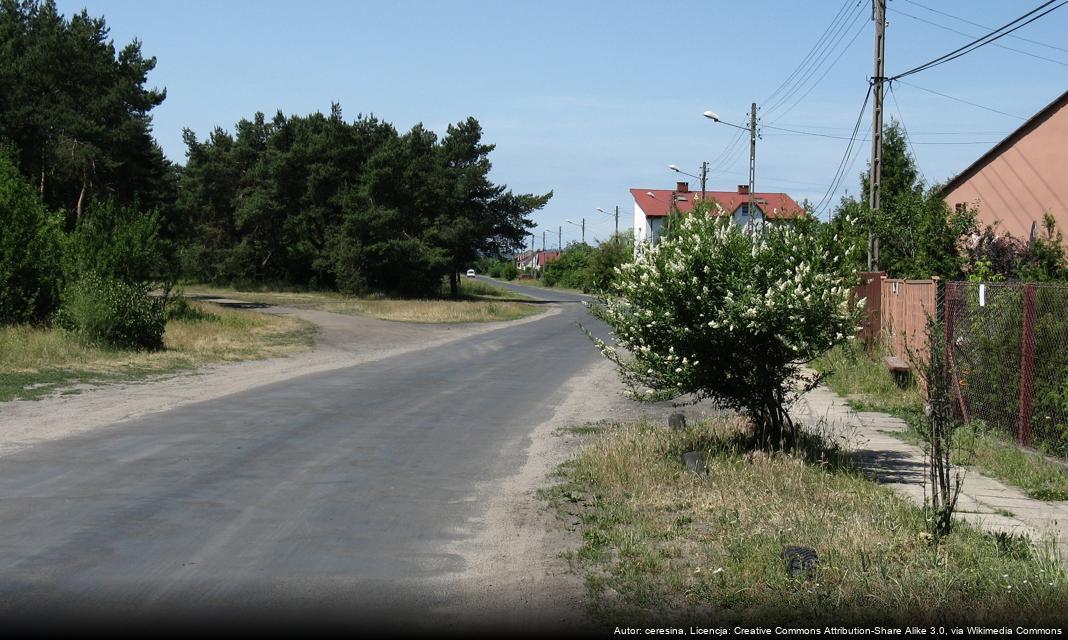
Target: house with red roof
(535,259)
(652,206)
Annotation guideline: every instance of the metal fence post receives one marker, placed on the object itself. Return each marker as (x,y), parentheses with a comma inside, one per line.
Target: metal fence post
(1027,365)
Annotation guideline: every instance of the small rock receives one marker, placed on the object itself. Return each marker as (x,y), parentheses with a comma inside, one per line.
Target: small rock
(800,561)
(695,462)
(677,421)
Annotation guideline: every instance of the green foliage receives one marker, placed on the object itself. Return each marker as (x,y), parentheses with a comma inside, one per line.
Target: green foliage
(314,200)
(988,357)
(607,258)
(572,269)
(1045,260)
(118,242)
(77,110)
(724,313)
(108,311)
(29,251)
(581,266)
(503,269)
(918,235)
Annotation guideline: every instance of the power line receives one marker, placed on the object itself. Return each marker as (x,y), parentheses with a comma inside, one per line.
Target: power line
(808,55)
(825,51)
(927,133)
(828,135)
(976,24)
(968,35)
(840,172)
(825,72)
(961,100)
(994,35)
(905,129)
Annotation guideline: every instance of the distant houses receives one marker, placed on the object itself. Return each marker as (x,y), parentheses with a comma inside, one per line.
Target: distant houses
(652,207)
(535,259)
(1022,178)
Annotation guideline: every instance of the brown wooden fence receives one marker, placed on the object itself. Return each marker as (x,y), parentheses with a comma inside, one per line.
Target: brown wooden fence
(895,314)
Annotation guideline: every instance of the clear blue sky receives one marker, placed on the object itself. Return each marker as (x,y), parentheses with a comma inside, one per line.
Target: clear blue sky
(592,98)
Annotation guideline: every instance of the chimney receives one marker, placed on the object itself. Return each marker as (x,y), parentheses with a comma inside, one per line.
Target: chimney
(743,189)
(682,187)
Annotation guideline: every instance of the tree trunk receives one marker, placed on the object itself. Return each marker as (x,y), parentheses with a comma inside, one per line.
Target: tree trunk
(454,284)
(81,198)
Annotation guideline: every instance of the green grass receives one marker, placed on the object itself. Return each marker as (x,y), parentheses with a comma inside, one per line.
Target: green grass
(660,545)
(537,282)
(478,302)
(36,361)
(870,387)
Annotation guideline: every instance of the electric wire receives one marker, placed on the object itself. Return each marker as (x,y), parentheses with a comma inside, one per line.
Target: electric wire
(968,35)
(993,36)
(976,24)
(961,100)
(825,52)
(840,172)
(808,55)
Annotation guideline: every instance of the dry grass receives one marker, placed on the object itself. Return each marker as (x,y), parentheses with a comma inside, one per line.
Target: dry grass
(35,361)
(662,545)
(480,303)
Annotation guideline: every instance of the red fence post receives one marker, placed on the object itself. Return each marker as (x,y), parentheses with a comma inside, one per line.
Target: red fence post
(1027,365)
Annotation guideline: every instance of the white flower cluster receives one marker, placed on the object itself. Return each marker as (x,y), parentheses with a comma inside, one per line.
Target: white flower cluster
(712,304)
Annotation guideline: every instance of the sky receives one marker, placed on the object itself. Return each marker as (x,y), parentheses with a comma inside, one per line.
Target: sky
(590,99)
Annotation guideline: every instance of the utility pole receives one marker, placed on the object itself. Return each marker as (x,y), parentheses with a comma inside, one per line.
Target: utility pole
(560,238)
(704,179)
(876,170)
(584,231)
(543,240)
(617,220)
(752,155)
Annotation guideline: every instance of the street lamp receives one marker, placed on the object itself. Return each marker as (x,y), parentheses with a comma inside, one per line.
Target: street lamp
(703,177)
(711,115)
(616,214)
(582,226)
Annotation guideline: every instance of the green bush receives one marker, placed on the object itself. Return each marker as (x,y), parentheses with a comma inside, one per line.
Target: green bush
(572,269)
(117,242)
(29,251)
(509,271)
(109,311)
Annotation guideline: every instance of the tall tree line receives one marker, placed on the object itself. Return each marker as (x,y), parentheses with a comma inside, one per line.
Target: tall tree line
(355,205)
(306,200)
(77,112)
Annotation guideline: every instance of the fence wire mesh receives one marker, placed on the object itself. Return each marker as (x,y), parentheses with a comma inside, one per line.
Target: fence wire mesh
(1008,353)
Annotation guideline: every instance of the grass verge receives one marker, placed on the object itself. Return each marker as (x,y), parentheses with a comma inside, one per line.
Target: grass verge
(40,361)
(478,302)
(870,387)
(663,546)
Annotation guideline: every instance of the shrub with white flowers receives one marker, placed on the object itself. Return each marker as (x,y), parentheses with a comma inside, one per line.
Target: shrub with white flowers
(729,314)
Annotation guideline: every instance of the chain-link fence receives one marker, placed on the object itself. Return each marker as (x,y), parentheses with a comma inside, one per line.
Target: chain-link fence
(1008,351)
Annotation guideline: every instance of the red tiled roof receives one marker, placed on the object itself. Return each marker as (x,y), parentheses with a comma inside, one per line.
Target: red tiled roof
(774,205)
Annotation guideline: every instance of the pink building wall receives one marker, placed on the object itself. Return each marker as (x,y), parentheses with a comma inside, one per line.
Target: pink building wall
(1026,175)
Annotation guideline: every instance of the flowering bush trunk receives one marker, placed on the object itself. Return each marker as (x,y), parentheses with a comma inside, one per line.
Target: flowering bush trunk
(729,314)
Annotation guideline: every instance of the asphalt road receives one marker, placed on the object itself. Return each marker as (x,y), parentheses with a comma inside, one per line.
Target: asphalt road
(328,497)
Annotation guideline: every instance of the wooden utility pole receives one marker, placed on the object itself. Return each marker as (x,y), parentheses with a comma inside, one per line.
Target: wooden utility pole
(752,156)
(704,179)
(875,172)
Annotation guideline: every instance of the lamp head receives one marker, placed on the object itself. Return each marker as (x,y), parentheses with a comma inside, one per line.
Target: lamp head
(711,115)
